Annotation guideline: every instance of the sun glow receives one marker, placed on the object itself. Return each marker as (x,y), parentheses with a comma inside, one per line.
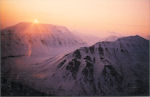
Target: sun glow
(35,21)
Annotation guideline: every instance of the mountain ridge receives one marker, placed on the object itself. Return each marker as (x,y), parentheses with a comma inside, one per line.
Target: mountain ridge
(114,64)
(106,68)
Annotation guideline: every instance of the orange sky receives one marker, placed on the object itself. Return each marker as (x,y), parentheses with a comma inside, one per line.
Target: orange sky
(96,17)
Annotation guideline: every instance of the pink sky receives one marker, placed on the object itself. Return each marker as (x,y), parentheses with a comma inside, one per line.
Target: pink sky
(97,17)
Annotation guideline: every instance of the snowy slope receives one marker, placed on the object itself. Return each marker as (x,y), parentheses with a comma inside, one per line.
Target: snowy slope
(36,39)
(106,68)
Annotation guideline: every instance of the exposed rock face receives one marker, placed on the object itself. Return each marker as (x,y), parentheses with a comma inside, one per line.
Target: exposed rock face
(106,68)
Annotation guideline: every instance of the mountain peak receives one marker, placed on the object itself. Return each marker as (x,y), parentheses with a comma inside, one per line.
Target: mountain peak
(131,37)
(39,36)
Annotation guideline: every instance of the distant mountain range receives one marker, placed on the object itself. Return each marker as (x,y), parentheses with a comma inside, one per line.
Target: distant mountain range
(109,68)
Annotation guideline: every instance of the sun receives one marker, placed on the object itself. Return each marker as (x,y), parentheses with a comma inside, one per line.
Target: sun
(35,21)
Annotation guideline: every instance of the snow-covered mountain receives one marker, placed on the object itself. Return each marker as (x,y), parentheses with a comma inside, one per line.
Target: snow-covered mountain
(119,67)
(28,38)
(106,68)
